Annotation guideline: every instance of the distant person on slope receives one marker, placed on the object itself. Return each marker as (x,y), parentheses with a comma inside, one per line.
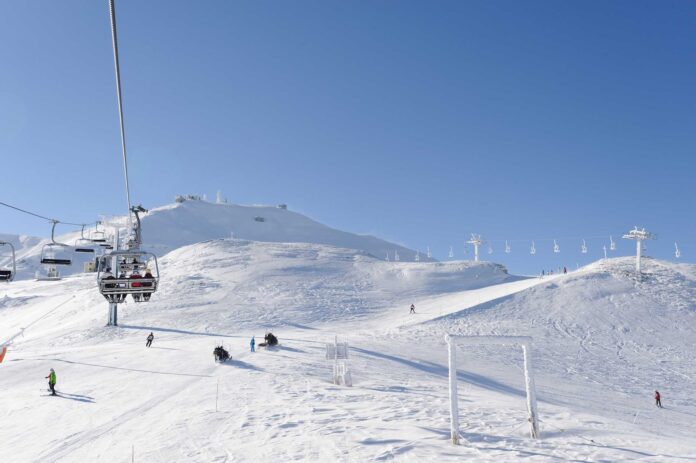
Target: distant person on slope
(658,402)
(565,270)
(150,338)
(52,381)
(413,308)
(252,343)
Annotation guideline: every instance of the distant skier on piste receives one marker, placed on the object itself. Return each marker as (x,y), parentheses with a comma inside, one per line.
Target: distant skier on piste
(658,402)
(252,343)
(52,381)
(150,338)
(413,308)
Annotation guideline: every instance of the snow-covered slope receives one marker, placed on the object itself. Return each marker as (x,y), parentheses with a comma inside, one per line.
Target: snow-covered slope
(172,226)
(602,342)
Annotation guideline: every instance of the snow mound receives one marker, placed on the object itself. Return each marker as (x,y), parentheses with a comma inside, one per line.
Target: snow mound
(616,336)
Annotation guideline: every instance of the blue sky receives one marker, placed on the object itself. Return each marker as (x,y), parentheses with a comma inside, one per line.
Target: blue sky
(420,122)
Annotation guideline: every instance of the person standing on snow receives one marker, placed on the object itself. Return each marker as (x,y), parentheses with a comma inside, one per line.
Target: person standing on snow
(150,338)
(658,402)
(252,343)
(413,308)
(52,381)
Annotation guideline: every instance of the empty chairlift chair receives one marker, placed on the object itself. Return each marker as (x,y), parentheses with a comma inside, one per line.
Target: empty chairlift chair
(127,272)
(8,272)
(84,245)
(55,253)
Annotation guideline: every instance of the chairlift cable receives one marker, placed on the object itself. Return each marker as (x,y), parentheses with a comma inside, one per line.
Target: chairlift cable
(112,15)
(44,217)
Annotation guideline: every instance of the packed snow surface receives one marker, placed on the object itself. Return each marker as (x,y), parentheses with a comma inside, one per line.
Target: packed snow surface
(604,340)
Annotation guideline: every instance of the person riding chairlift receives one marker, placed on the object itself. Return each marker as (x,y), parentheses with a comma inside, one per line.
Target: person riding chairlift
(147,284)
(136,284)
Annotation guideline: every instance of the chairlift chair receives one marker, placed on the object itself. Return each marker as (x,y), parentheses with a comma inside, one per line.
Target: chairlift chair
(677,252)
(612,244)
(583,248)
(83,244)
(116,285)
(556,247)
(532,250)
(8,274)
(55,253)
(508,249)
(97,236)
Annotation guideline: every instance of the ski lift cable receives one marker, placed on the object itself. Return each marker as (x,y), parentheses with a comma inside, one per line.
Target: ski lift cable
(44,217)
(114,39)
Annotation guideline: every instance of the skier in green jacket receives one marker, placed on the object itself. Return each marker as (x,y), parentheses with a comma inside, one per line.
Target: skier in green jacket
(52,381)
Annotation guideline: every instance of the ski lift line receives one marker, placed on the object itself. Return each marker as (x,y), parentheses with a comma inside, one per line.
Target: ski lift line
(114,39)
(44,217)
(567,238)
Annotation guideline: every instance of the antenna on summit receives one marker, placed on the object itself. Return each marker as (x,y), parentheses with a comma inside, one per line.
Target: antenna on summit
(476,241)
(639,236)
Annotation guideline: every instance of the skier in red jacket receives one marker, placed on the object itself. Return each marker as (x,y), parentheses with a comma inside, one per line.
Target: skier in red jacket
(657,399)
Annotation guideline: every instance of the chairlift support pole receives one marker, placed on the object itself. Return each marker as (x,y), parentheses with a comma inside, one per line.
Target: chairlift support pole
(476,241)
(639,236)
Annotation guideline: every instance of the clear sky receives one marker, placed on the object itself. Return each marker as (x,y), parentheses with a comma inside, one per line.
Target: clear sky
(420,122)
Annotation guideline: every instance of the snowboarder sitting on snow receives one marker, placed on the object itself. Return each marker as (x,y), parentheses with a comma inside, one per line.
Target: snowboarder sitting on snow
(270,339)
(221,355)
(413,308)
(658,402)
(52,381)
(149,339)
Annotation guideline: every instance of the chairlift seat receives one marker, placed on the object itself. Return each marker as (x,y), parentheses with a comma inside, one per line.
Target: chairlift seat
(5,275)
(90,250)
(53,261)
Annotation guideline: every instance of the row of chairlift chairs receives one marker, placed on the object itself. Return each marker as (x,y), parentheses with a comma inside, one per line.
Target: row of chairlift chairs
(119,272)
(55,254)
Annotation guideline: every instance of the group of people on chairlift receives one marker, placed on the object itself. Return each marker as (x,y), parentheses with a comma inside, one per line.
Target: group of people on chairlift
(134,275)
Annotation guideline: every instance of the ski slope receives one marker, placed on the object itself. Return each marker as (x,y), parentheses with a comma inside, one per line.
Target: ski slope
(603,342)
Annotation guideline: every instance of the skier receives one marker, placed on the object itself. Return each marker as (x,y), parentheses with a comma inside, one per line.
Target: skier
(658,402)
(252,343)
(413,308)
(149,339)
(565,270)
(52,381)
